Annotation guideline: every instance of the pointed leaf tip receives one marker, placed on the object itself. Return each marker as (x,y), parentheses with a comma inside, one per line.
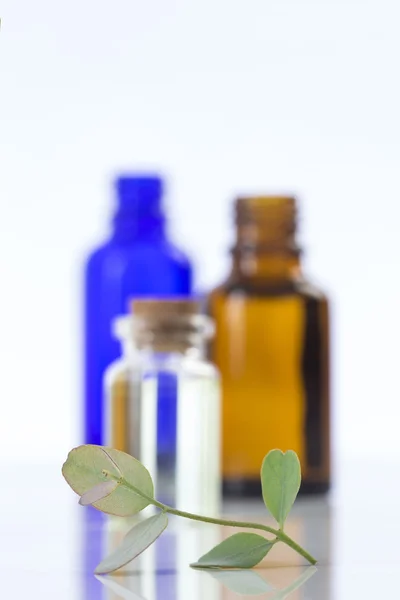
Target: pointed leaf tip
(280,480)
(241,550)
(98,492)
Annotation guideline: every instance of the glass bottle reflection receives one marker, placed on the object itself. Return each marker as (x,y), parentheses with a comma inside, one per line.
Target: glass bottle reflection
(93,550)
(162,572)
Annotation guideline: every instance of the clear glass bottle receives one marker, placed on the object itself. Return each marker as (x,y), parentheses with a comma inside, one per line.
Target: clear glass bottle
(163,401)
(272,350)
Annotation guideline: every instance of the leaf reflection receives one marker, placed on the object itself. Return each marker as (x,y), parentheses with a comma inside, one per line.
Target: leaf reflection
(244,582)
(250,583)
(296,584)
(117,588)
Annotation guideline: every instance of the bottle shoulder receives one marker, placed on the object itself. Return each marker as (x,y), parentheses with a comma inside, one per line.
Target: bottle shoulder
(137,251)
(307,287)
(117,370)
(177,364)
(176,254)
(299,286)
(97,254)
(201,368)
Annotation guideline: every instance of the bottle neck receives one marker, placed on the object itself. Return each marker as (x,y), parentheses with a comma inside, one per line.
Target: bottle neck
(127,228)
(176,352)
(129,350)
(255,265)
(266,247)
(139,211)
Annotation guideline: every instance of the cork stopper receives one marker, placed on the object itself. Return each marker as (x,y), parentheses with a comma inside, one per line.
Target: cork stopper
(169,325)
(163,310)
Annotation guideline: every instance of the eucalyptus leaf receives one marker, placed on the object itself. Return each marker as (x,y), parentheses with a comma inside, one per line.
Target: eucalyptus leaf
(241,581)
(98,492)
(280,480)
(118,484)
(241,550)
(84,469)
(140,537)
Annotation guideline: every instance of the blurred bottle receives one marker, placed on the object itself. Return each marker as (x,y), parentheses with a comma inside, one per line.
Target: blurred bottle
(271,347)
(137,260)
(163,402)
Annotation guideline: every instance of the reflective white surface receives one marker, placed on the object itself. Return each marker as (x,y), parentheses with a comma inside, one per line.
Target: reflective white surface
(50,545)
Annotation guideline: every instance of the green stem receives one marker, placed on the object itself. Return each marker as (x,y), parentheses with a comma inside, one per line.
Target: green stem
(280,535)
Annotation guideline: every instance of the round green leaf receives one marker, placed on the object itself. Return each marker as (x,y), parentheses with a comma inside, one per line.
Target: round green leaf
(280,480)
(84,468)
(241,550)
(139,538)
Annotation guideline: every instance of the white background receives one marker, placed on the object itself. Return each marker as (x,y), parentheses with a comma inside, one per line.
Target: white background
(223,96)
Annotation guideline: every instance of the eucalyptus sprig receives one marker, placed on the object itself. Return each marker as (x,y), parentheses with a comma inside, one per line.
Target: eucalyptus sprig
(118,484)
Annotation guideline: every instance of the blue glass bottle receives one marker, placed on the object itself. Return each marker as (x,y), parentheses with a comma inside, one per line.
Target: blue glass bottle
(138,260)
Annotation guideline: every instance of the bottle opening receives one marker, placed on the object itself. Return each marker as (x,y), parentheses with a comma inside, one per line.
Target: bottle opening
(140,195)
(266,224)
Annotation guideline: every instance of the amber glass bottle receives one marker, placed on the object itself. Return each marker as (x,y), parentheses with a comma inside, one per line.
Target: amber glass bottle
(272,349)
